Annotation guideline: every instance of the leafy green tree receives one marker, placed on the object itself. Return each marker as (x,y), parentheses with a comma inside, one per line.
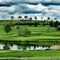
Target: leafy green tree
(19,17)
(7,28)
(48,18)
(51,23)
(11,22)
(44,23)
(30,18)
(56,24)
(35,24)
(36,17)
(12,17)
(24,32)
(55,18)
(26,17)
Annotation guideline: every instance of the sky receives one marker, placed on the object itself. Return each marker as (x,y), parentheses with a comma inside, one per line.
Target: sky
(30,8)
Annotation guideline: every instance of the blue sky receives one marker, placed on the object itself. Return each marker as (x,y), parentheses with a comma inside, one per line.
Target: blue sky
(32,8)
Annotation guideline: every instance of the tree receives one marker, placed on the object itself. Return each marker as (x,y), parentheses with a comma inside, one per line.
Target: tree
(56,24)
(24,32)
(19,17)
(55,18)
(48,18)
(12,17)
(51,23)
(26,17)
(44,23)
(35,17)
(30,18)
(11,22)
(7,28)
(35,24)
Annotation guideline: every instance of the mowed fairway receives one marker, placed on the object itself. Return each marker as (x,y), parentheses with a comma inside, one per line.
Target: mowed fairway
(37,33)
(40,35)
(39,54)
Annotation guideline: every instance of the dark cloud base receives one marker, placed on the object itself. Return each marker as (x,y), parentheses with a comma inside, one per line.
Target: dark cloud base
(31,3)
(45,4)
(8,4)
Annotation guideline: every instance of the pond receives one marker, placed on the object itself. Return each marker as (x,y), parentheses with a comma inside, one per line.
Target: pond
(21,47)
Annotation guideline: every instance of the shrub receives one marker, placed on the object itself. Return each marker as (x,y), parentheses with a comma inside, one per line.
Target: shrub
(58,28)
(18,27)
(7,28)
(24,32)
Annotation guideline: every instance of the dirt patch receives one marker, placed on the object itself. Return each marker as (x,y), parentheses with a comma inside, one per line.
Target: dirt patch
(55,47)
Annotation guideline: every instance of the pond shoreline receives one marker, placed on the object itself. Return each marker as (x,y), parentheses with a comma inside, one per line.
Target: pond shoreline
(37,42)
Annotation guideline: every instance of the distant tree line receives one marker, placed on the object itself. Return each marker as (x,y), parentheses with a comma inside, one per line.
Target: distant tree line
(28,23)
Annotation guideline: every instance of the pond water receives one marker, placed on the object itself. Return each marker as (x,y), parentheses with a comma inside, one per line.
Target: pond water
(21,47)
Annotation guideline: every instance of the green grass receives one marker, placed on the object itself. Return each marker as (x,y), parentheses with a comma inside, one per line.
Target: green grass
(39,33)
(40,54)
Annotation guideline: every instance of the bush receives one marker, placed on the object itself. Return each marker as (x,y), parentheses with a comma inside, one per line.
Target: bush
(7,28)
(18,27)
(58,28)
(24,32)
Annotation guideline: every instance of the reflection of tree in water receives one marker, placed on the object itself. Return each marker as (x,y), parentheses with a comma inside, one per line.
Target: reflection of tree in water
(6,47)
(19,46)
(43,46)
(29,46)
(24,47)
(34,47)
(11,45)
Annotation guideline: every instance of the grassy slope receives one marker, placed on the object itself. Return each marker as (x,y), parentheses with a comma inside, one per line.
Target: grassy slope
(37,33)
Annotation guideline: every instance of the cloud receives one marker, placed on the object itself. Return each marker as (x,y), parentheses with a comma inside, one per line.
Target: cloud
(33,2)
(4,15)
(29,7)
(10,10)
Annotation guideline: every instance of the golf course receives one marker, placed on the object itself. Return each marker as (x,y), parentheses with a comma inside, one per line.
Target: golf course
(20,32)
